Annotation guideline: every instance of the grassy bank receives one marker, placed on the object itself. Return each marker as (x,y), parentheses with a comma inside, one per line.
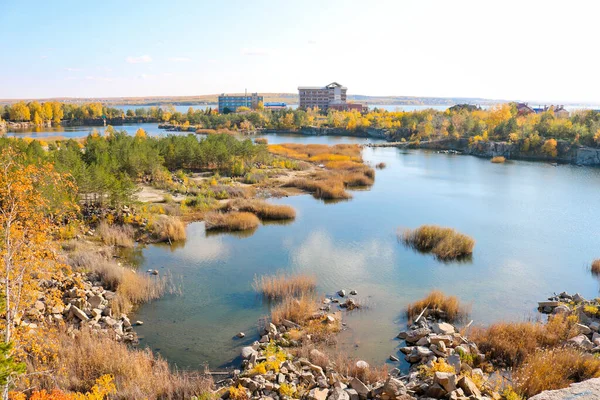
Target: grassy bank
(445,243)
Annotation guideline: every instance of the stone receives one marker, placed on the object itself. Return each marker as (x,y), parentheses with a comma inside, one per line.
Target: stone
(353,292)
(446,380)
(577,298)
(423,351)
(248,351)
(437,339)
(271,329)
(341,293)
(436,391)
(360,387)
(424,341)
(402,335)
(414,335)
(360,364)
(338,394)
(394,387)
(139,323)
(583,329)
(330,319)
(394,358)
(39,305)
(596,338)
(264,339)
(595,326)
(467,385)
(454,361)
(76,311)
(95,301)
(552,304)
(588,390)
(318,394)
(457,394)
(443,328)
(561,309)
(352,393)
(350,304)
(582,341)
(241,335)
(126,321)
(154,272)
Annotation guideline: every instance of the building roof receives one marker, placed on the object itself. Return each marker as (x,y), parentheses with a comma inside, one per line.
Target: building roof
(330,86)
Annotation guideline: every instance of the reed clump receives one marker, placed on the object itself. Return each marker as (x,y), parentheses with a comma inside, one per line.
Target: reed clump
(132,288)
(445,243)
(498,159)
(116,235)
(77,360)
(232,221)
(328,189)
(511,343)
(262,209)
(296,309)
(283,285)
(318,152)
(438,305)
(551,369)
(596,267)
(168,229)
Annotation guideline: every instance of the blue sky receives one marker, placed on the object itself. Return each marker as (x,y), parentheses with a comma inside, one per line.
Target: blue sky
(540,50)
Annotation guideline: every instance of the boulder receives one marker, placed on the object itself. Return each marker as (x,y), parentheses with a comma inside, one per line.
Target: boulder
(582,341)
(353,292)
(360,364)
(577,298)
(394,387)
(352,393)
(95,301)
(318,394)
(77,312)
(467,385)
(443,328)
(583,329)
(454,361)
(341,293)
(338,394)
(248,351)
(561,309)
(39,305)
(241,335)
(414,335)
(436,391)
(446,380)
(584,390)
(360,387)
(595,326)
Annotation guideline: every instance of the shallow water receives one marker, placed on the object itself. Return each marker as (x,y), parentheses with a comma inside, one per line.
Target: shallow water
(536,228)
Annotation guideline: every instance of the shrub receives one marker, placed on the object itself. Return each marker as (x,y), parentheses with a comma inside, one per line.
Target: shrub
(438,305)
(262,209)
(298,310)
(510,343)
(549,147)
(445,243)
(380,165)
(282,285)
(498,160)
(232,221)
(78,360)
(551,369)
(261,141)
(116,235)
(596,267)
(168,229)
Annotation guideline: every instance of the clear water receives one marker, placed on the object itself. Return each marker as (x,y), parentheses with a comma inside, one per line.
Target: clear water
(536,228)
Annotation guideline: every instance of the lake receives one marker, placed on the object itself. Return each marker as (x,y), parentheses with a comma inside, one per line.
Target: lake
(536,228)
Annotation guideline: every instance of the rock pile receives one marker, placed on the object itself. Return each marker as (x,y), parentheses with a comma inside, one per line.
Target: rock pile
(83,302)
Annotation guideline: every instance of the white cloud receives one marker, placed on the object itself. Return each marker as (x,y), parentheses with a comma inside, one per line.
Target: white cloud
(167,74)
(137,60)
(179,59)
(255,51)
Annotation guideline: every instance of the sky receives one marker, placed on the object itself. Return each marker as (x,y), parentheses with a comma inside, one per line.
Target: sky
(515,50)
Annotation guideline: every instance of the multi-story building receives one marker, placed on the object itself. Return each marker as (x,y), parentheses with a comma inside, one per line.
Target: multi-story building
(234,101)
(322,97)
(274,106)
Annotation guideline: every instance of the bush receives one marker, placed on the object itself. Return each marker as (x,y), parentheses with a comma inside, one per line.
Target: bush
(116,235)
(298,310)
(439,305)
(262,209)
(498,160)
(380,165)
(282,285)
(168,229)
(232,221)
(445,243)
(510,343)
(552,369)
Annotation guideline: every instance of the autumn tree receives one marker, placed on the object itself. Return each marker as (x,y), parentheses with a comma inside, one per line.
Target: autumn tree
(19,112)
(28,210)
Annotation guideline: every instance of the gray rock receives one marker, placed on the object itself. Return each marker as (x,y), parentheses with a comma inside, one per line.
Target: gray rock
(360,387)
(577,298)
(353,292)
(595,326)
(241,335)
(95,301)
(77,312)
(248,351)
(318,394)
(445,380)
(414,335)
(352,393)
(561,309)
(582,341)
(583,329)
(467,385)
(338,394)
(341,293)
(436,391)
(454,361)
(443,328)
(394,358)
(588,390)
(394,387)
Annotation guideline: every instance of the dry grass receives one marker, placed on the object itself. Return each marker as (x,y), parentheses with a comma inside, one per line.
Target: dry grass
(232,221)
(77,361)
(298,310)
(132,288)
(445,243)
(283,285)
(552,369)
(498,160)
(596,267)
(330,189)
(262,209)
(116,235)
(439,305)
(318,152)
(510,343)
(168,229)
